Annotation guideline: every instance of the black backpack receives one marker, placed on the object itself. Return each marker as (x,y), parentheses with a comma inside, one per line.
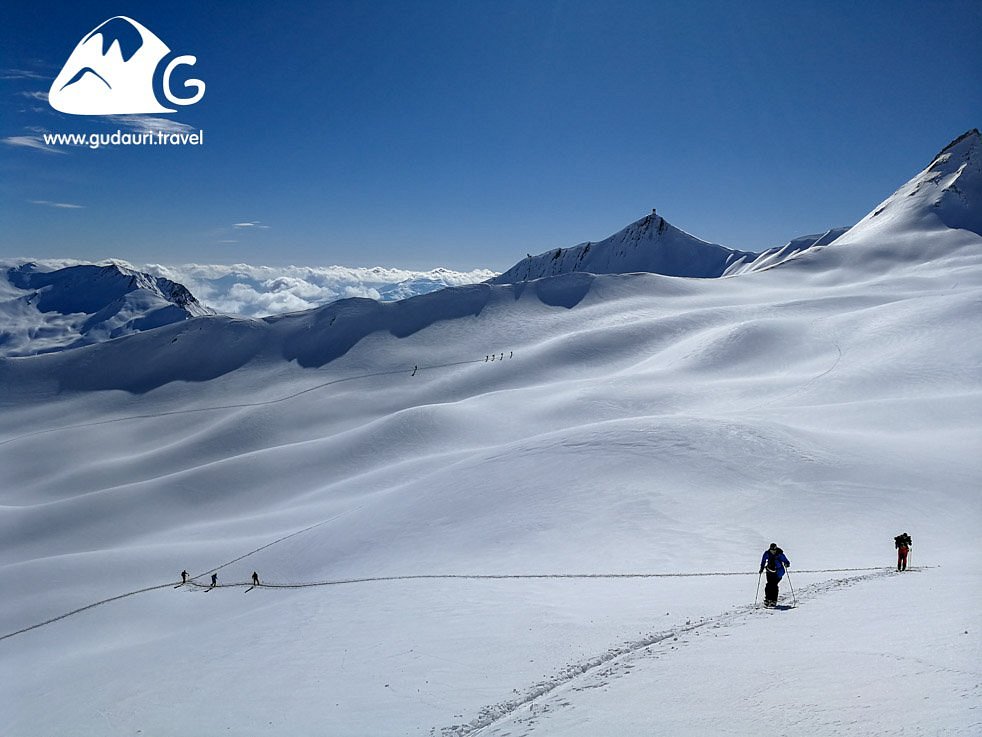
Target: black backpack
(772,557)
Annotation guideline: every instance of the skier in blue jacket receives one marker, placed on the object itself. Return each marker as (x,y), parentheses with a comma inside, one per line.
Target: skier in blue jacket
(774,561)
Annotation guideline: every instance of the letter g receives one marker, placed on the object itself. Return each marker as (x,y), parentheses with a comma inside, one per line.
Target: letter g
(196,84)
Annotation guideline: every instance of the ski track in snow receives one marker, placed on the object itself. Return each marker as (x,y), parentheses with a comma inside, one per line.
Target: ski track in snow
(616,660)
(192,582)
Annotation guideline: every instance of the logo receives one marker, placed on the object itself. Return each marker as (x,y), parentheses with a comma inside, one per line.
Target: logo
(111,72)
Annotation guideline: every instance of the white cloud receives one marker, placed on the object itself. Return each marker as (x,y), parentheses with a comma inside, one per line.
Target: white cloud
(31,142)
(63,205)
(257,291)
(36,95)
(150,124)
(21,74)
(244,290)
(251,224)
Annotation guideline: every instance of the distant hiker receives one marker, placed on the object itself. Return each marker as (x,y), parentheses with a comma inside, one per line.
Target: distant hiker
(415,369)
(255,578)
(184,576)
(214,580)
(903,543)
(774,561)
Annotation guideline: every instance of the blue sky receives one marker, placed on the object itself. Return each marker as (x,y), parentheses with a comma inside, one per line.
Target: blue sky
(466,134)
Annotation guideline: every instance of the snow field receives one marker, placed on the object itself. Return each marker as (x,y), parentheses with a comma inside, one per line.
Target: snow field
(645,424)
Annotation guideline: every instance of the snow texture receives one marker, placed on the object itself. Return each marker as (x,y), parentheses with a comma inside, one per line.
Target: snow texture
(563,540)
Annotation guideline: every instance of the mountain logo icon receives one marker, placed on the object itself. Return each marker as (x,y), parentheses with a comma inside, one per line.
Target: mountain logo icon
(111,72)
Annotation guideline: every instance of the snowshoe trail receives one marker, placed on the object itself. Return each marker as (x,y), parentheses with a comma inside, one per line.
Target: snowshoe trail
(193,585)
(498,720)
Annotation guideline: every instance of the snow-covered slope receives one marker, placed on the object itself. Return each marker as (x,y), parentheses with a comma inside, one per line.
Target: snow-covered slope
(44,310)
(446,538)
(945,195)
(935,215)
(772,257)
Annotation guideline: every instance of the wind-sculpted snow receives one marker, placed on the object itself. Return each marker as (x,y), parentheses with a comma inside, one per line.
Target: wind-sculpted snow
(602,433)
(312,339)
(776,256)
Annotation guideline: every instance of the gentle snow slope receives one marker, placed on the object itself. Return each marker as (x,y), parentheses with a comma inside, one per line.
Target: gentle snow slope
(628,424)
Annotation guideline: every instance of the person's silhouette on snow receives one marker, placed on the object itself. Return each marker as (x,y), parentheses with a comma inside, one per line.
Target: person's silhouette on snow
(184,577)
(214,580)
(255,578)
(902,543)
(774,561)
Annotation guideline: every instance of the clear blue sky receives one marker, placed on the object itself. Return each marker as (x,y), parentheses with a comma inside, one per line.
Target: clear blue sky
(466,134)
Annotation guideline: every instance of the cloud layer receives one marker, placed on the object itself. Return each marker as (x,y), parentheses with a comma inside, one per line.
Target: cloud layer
(257,291)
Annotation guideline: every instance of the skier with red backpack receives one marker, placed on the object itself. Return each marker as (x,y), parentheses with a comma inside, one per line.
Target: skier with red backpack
(902,542)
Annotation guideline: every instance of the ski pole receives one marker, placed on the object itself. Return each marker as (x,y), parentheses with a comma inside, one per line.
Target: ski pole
(758,589)
(794,599)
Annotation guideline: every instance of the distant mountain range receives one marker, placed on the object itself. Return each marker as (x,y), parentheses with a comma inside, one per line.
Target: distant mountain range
(46,309)
(948,191)
(652,244)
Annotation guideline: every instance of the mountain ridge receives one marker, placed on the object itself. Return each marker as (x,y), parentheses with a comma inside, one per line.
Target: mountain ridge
(54,310)
(648,244)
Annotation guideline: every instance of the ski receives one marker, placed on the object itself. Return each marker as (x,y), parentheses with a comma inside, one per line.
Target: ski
(248,589)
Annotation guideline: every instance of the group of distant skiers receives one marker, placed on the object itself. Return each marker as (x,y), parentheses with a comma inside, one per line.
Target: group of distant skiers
(214,579)
(776,563)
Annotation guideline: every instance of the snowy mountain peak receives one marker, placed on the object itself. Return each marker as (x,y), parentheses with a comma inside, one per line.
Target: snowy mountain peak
(654,245)
(49,310)
(946,194)
(649,244)
(961,146)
